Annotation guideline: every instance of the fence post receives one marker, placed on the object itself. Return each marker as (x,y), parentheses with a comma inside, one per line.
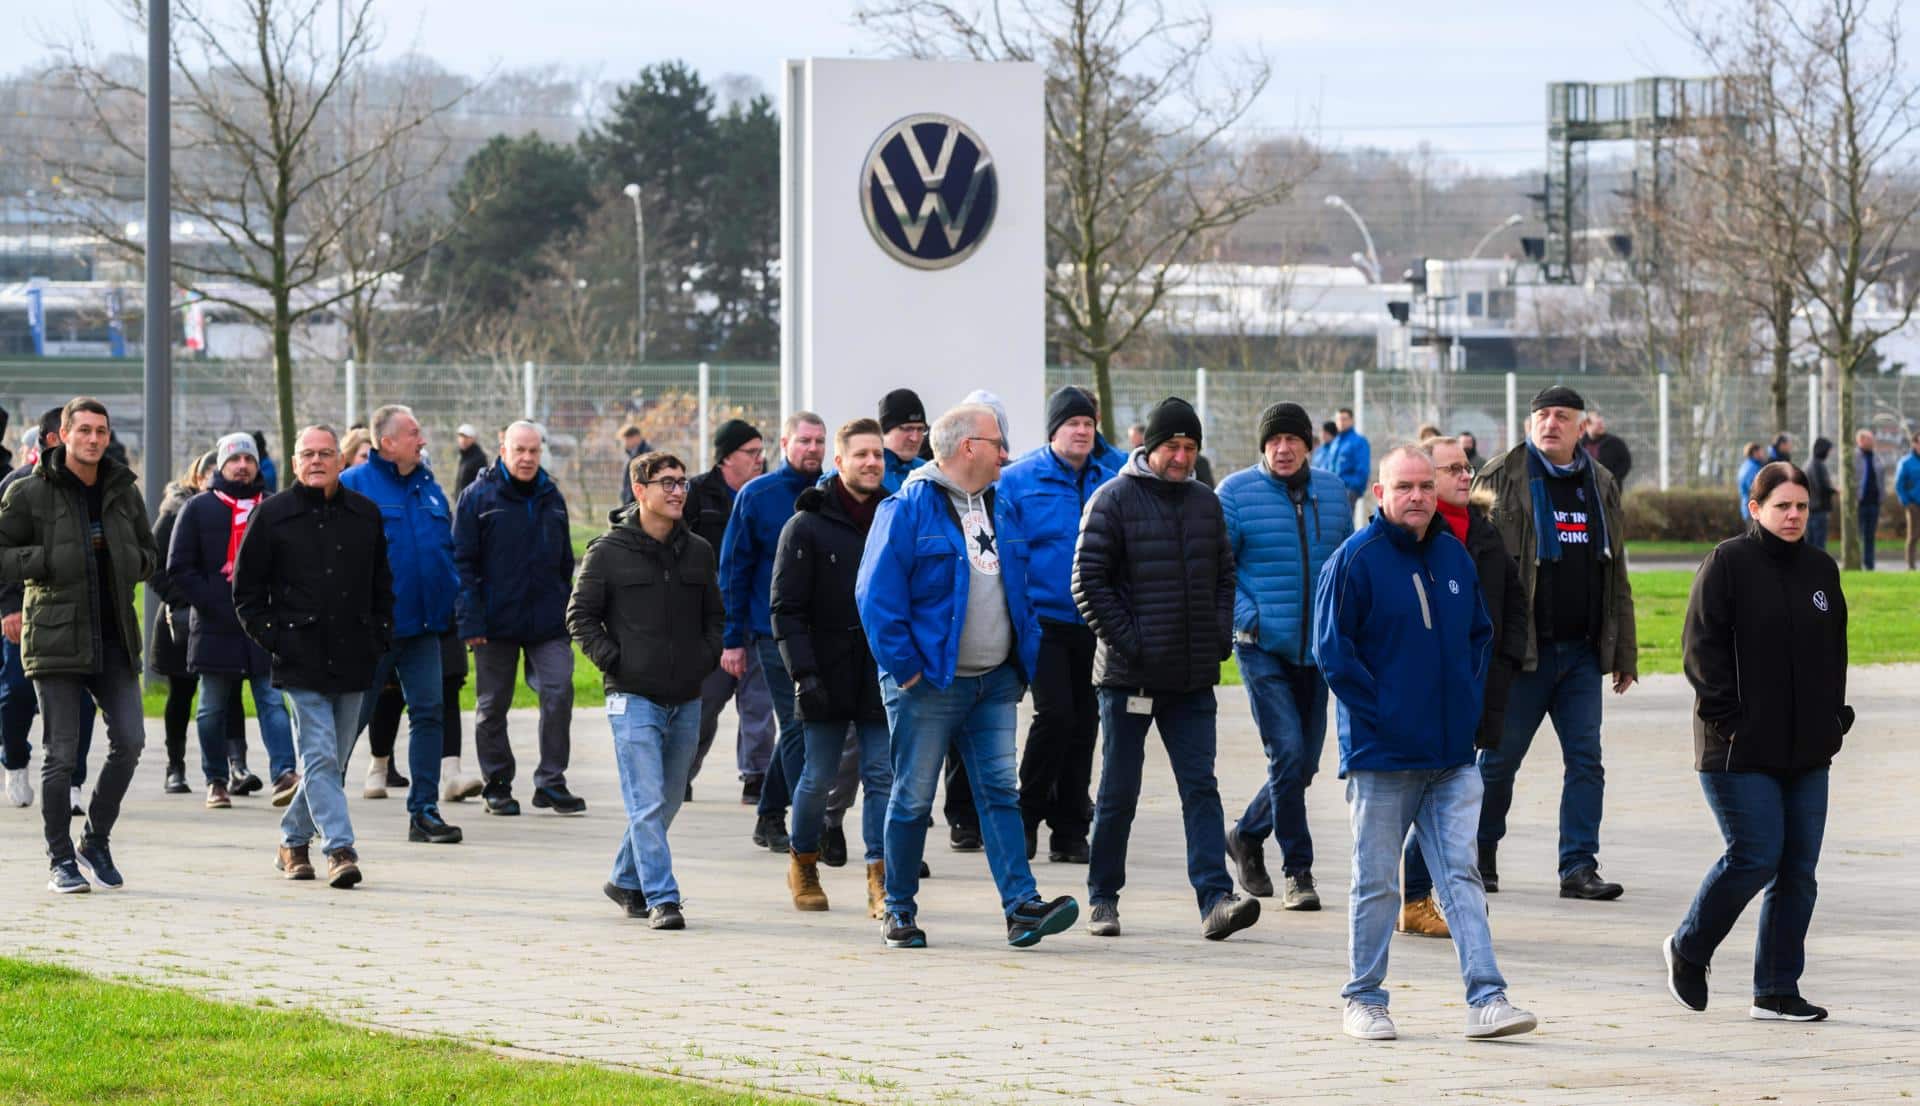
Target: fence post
(1666,433)
(1200,395)
(1813,410)
(1360,400)
(526,390)
(353,393)
(1513,411)
(700,420)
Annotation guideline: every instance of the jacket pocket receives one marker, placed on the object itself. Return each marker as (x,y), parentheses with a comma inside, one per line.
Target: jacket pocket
(933,567)
(49,632)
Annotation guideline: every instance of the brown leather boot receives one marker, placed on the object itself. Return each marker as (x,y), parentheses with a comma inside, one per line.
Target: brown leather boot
(877,889)
(803,879)
(293,861)
(343,868)
(1422,919)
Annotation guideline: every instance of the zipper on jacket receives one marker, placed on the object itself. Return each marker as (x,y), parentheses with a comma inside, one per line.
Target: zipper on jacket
(1306,573)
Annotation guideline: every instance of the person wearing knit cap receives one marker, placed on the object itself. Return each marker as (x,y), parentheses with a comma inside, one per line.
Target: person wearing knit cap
(1285,519)
(1153,578)
(1558,513)
(1048,490)
(903,430)
(738,453)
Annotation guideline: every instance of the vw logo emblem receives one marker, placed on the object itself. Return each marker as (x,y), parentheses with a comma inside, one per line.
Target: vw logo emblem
(1820,600)
(929,190)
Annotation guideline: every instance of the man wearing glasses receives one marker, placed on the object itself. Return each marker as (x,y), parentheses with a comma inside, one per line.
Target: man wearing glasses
(311,586)
(739,456)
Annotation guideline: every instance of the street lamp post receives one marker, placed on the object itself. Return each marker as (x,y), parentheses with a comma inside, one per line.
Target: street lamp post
(640,248)
(1510,221)
(1373,259)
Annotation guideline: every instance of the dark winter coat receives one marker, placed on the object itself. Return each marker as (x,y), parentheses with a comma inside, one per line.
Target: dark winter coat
(473,462)
(1765,643)
(1507,606)
(1613,455)
(167,637)
(647,613)
(816,620)
(709,506)
(514,552)
(1153,578)
(45,545)
(196,565)
(313,588)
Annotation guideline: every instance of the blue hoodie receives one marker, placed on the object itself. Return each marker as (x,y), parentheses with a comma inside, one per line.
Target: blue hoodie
(419,525)
(1906,480)
(760,511)
(1278,549)
(1350,457)
(1047,498)
(1402,635)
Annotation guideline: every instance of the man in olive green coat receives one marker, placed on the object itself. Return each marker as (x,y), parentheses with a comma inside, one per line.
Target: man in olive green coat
(75,533)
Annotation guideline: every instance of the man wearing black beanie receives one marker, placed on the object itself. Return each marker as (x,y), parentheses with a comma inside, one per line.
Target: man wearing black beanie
(1153,578)
(1285,519)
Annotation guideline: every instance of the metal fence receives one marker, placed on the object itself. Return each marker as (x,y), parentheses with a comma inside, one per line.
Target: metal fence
(583,407)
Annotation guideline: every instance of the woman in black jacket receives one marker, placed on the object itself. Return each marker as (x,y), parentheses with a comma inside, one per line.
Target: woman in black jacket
(1765,646)
(167,640)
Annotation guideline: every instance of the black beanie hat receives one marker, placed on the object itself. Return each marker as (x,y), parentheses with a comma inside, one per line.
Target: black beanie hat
(1171,418)
(732,434)
(1558,396)
(1067,403)
(902,405)
(1285,418)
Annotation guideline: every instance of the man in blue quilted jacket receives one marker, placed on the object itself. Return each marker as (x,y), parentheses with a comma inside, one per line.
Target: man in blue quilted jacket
(1284,519)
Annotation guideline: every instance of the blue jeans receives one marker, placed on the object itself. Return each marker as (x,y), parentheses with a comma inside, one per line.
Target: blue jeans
(825,741)
(18,705)
(323,739)
(1773,826)
(1817,523)
(653,746)
(1186,723)
(416,660)
(1444,806)
(276,732)
(976,715)
(1290,707)
(1567,686)
(789,758)
(1869,527)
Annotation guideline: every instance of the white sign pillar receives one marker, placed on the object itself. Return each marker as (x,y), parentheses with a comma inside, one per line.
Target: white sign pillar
(941,299)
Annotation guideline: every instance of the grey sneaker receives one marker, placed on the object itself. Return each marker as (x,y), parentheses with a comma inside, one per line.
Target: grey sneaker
(1300,894)
(1230,914)
(1368,1021)
(1498,1018)
(1105,920)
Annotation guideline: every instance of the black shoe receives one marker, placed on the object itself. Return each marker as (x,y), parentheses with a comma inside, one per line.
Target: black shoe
(1489,875)
(176,782)
(65,879)
(750,791)
(633,902)
(964,839)
(242,782)
(901,933)
(1785,1008)
(926,872)
(559,800)
(1250,860)
(833,847)
(688,797)
(1587,884)
(1067,852)
(1686,981)
(666,916)
(394,778)
(428,827)
(97,862)
(770,833)
(1229,915)
(1034,919)
(498,795)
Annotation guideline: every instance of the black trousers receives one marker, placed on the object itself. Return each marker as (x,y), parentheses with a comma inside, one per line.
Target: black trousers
(1056,768)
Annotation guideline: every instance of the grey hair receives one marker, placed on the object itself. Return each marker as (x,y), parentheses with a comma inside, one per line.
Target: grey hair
(1410,449)
(321,427)
(383,419)
(525,424)
(956,426)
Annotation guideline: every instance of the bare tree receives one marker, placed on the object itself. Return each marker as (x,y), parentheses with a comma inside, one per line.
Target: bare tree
(264,161)
(1143,169)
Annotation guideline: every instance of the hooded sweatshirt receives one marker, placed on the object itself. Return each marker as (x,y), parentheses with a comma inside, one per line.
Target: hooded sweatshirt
(986,637)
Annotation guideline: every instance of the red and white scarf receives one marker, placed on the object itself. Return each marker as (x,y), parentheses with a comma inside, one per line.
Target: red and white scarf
(242,511)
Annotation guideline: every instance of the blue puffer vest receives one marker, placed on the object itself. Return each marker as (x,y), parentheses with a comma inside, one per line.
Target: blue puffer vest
(1278,548)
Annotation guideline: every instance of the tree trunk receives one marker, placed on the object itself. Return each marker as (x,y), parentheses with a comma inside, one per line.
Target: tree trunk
(1782,320)
(283,376)
(1846,496)
(1103,395)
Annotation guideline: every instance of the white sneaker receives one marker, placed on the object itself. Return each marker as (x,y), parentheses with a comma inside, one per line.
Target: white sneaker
(79,810)
(1498,1018)
(455,784)
(1368,1021)
(376,780)
(19,787)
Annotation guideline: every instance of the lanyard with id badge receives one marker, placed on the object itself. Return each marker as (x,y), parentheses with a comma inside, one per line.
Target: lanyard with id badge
(1140,704)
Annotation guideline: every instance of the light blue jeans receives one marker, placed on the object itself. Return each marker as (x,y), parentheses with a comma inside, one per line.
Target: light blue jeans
(1445,806)
(323,735)
(653,745)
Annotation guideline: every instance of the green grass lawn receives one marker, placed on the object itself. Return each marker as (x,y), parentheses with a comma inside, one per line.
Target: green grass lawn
(70,1038)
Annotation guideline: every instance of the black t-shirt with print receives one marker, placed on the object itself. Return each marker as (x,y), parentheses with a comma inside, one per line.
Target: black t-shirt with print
(1563,598)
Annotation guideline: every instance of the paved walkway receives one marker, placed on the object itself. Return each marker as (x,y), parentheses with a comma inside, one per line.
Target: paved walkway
(506,941)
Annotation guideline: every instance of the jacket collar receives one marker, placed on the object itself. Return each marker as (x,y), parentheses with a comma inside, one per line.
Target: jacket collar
(1401,539)
(388,470)
(53,466)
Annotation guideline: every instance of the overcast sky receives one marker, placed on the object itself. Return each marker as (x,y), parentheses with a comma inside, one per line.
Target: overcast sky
(1467,76)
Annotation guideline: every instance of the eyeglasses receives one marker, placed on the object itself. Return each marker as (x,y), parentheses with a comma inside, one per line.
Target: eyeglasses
(1456,470)
(917,429)
(999,443)
(316,454)
(670,484)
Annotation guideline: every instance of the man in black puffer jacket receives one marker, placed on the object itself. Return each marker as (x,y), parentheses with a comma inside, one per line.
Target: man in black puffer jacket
(1153,578)
(816,622)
